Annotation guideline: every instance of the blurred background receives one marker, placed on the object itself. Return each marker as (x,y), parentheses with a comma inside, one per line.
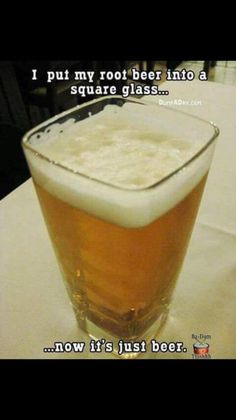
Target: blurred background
(24,102)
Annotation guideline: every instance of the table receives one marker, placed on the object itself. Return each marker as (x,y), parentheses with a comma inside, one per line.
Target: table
(35,310)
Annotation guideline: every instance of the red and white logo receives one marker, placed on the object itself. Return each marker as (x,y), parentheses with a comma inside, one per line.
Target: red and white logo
(201,349)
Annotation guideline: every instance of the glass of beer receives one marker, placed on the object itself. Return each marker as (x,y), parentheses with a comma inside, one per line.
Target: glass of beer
(119,182)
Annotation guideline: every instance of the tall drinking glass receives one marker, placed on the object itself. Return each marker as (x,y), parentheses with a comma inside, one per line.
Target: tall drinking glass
(119,182)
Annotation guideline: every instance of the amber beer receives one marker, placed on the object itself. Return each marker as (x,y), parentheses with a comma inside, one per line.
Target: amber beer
(120,278)
(119,232)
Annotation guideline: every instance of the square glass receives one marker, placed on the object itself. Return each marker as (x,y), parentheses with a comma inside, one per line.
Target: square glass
(120,248)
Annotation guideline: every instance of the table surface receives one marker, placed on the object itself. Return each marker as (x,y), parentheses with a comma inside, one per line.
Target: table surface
(35,310)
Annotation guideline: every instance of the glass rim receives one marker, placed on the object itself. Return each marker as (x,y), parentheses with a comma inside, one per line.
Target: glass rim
(50,121)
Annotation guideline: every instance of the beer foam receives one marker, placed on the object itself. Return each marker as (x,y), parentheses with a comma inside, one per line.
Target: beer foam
(115,158)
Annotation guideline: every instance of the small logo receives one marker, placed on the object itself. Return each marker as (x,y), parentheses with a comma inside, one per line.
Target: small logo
(200,347)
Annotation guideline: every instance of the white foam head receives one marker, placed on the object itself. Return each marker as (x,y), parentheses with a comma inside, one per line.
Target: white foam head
(110,164)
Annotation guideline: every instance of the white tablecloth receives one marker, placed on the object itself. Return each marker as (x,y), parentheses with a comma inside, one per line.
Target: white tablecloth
(35,310)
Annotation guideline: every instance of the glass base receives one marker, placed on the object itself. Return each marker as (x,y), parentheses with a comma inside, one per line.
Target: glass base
(136,347)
